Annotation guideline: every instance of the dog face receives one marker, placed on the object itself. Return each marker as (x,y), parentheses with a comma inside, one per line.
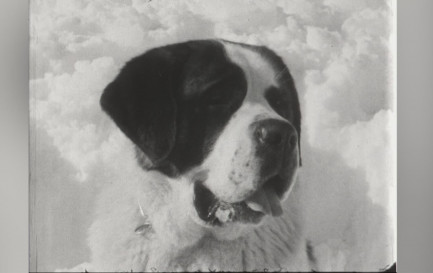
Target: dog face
(226,114)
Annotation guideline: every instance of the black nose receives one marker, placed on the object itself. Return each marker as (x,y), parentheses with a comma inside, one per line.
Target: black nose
(275,133)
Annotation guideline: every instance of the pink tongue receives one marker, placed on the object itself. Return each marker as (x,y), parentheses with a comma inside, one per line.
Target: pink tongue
(267,201)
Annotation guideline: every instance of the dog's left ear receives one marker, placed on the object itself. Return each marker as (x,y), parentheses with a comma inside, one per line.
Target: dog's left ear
(141,100)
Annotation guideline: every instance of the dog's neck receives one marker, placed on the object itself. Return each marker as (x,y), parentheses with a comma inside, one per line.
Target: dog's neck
(270,246)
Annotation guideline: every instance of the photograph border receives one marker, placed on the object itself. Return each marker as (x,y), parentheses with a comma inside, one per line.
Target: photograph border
(414,85)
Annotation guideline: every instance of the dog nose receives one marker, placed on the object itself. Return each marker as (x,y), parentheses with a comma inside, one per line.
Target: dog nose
(275,133)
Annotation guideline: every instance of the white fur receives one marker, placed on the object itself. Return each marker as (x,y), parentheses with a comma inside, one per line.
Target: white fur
(259,72)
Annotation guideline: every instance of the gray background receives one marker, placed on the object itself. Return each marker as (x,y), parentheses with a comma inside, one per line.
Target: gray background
(415,134)
(415,172)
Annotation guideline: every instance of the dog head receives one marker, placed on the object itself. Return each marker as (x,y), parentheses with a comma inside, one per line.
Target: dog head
(227,114)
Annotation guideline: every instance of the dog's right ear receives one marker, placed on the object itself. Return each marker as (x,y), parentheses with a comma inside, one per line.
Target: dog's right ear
(141,100)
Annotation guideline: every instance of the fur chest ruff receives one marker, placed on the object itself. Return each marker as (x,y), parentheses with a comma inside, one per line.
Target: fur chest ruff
(170,241)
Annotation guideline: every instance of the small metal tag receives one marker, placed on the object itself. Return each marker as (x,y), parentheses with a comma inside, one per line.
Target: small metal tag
(142,229)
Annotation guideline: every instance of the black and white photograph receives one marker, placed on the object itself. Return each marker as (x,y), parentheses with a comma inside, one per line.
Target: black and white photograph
(212,135)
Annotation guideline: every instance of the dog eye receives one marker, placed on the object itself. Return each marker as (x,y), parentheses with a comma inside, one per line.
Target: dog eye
(278,101)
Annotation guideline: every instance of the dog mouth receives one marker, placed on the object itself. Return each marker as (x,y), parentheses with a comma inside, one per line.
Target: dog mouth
(217,212)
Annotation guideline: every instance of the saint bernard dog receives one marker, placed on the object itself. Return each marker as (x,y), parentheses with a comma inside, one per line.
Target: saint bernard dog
(216,129)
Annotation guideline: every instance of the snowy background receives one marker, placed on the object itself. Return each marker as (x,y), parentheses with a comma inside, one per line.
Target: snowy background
(340,55)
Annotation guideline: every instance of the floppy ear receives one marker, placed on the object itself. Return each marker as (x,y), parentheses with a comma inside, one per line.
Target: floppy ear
(141,100)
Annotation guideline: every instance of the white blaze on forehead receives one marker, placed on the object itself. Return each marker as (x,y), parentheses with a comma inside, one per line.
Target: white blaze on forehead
(258,71)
